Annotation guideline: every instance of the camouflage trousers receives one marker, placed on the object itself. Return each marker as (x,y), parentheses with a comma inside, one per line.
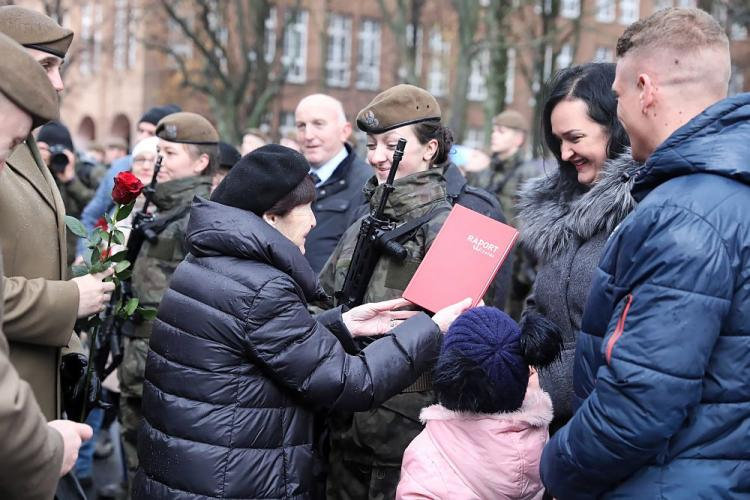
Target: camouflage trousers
(367,447)
(130,373)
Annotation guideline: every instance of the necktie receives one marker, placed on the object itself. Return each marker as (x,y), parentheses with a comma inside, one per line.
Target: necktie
(314,177)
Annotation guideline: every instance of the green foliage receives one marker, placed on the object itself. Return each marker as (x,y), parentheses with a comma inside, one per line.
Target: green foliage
(76,227)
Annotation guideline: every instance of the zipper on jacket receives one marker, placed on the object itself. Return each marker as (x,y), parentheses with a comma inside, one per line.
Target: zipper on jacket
(619,328)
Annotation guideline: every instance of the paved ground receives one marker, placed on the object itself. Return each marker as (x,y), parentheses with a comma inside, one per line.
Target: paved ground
(109,470)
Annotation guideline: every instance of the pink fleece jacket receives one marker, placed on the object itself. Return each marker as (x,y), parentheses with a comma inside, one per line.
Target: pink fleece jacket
(462,456)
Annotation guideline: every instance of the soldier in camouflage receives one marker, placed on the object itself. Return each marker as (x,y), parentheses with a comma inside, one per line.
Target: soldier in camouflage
(188,146)
(366,448)
(504,176)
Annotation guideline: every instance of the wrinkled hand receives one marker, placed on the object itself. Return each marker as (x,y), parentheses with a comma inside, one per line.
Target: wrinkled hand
(73,384)
(445,317)
(93,293)
(73,435)
(376,318)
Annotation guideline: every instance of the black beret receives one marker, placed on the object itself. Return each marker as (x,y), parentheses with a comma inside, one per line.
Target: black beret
(54,134)
(156,113)
(25,83)
(262,178)
(187,128)
(396,107)
(228,155)
(35,30)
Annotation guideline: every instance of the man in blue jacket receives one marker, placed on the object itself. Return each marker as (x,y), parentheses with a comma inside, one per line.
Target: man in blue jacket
(663,361)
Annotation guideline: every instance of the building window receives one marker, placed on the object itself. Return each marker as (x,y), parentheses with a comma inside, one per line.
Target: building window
(571,9)
(97,32)
(629,11)
(663,4)
(474,138)
(368,55)
(181,47)
(736,81)
(604,54)
(287,123)
(565,57)
(87,20)
(687,3)
(270,35)
(295,49)
(605,11)
(339,58)
(738,31)
(510,77)
(120,35)
(414,42)
(132,40)
(437,79)
(480,67)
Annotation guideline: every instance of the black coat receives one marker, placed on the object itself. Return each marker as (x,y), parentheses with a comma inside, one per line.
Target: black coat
(238,368)
(337,202)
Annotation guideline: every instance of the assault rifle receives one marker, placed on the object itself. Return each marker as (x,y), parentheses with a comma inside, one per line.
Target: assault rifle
(109,340)
(377,236)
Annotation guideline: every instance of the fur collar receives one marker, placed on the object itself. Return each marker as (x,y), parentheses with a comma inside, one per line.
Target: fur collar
(550,221)
(535,411)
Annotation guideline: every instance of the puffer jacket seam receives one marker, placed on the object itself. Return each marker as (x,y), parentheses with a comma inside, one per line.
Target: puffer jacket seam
(285,472)
(659,370)
(692,292)
(223,313)
(231,434)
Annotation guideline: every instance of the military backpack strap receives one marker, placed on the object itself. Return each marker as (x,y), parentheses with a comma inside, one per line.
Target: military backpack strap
(152,230)
(402,232)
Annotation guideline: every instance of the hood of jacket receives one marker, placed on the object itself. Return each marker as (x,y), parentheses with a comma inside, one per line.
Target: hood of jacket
(486,451)
(218,230)
(714,142)
(412,196)
(550,221)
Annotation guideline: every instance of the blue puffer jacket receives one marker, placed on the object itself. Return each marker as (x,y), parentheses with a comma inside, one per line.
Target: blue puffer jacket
(663,361)
(238,368)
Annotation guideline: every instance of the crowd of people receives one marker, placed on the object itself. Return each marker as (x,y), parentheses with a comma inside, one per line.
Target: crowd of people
(609,357)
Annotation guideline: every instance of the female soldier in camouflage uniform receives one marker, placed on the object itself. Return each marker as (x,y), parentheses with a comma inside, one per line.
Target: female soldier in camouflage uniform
(367,447)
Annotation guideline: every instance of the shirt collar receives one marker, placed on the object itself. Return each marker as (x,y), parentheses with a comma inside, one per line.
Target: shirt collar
(325,171)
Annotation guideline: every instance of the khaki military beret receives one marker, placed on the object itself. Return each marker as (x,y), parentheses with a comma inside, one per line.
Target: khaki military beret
(188,128)
(398,106)
(25,83)
(510,119)
(35,30)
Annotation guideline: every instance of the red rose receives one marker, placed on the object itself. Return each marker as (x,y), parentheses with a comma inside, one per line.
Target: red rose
(101,223)
(127,188)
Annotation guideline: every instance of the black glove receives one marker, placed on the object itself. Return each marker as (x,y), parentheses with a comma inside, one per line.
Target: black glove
(73,380)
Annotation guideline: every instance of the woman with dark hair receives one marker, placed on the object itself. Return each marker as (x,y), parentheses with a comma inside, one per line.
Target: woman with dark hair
(565,218)
(367,447)
(238,370)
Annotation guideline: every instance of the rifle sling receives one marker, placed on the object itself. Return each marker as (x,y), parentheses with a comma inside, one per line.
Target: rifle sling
(401,232)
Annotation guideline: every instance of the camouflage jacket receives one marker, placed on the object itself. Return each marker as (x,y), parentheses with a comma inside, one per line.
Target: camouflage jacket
(413,196)
(502,178)
(158,259)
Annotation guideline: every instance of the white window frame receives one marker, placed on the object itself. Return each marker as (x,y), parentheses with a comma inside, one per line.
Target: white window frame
(120,35)
(437,78)
(270,37)
(564,57)
(663,4)
(480,67)
(368,55)
(474,138)
(295,49)
(510,77)
(570,9)
(339,51)
(132,40)
(87,22)
(604,54)
(606,11)
(630,11)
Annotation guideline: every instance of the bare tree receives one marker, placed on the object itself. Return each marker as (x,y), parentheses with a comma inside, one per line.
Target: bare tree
(233,59)
(469,48)
(404,20)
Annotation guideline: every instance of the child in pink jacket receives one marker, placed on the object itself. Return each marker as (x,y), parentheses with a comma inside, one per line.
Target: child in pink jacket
(485,438)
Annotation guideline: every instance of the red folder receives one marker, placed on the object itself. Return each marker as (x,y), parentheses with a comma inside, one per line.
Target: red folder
(462,261)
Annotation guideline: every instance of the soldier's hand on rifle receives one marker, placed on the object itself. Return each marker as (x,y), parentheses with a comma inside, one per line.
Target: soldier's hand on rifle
(376,318)
(73,385)
(93,293)
(447,315)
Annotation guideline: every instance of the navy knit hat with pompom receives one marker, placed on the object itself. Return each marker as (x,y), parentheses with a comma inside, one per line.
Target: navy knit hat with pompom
(481,368)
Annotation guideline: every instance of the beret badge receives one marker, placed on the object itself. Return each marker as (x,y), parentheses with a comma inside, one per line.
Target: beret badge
(170,130)
(370,120)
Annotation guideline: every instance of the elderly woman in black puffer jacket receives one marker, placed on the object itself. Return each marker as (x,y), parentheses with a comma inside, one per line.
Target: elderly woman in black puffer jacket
(238,369)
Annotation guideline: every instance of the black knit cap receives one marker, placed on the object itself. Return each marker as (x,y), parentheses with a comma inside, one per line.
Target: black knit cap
(55,133)
(156,113)
(262,178)
(228,155)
